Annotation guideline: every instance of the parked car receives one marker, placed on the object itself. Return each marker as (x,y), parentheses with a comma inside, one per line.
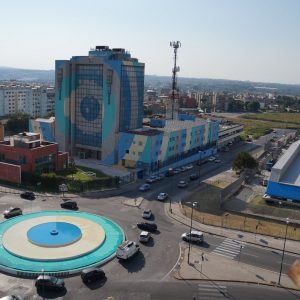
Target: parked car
(147,214)
(12,297)
(189,167)
(12,212)
(183,169)
(28,195)
(177,171)
(194,176)
(162,196)
(202,162)
(212,158)
(144,187)
(218,160)
(69,205)
(152,179)
(182,184)
(147,226)
(127,249)
(266,196)
(92,274)
(160,176)
(170,172)
(194,236)
(145,236)
(49,282)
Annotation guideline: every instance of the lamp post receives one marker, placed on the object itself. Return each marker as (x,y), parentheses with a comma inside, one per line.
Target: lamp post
(189,253)
(286,228)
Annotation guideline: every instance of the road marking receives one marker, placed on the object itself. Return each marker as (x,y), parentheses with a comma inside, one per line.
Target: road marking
(229,248)
(209,291)
(179,257)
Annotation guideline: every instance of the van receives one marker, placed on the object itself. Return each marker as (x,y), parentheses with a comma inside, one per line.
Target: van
(127,249)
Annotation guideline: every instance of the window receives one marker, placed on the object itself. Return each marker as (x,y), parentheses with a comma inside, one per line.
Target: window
(127,151)
(140,143)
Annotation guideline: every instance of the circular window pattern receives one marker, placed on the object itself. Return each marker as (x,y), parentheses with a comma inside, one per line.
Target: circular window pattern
(90,108)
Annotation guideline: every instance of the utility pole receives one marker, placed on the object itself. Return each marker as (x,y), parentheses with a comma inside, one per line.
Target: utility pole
(175,46)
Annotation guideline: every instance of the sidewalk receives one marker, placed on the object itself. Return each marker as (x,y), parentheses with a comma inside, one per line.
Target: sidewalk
(256,239)
(216,268)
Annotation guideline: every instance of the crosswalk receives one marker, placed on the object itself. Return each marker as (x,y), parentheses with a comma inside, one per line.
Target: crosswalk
(229,248)
(208,291)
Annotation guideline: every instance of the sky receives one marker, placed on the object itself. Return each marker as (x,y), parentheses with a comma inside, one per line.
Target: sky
(256,40)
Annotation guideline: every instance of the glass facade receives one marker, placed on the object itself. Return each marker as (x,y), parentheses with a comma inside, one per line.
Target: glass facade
(88,108)
(131,102)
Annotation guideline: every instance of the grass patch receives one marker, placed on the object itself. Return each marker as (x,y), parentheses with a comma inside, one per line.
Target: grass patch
(259,127)
(293,118)
(86,169)
(208,211)
(259,206)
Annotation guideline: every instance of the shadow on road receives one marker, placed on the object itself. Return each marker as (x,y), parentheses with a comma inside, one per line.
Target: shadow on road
(51,294)
(134,264)
(96,284)
(150,243)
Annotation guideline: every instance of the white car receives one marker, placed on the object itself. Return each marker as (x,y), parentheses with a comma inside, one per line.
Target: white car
(152,179)
(162,196)
(266,196)
(145,236)
(194,236)
(127,249)
(189,167)
(182,184)
(147,213)
(217,160)
(212,158)
(144,187)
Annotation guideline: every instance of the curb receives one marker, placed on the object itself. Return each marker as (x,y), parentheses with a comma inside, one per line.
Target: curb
(220,235)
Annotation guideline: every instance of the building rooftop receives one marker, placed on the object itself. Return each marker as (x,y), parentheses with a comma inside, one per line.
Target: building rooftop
(170,126)
(287,168)
(174,125)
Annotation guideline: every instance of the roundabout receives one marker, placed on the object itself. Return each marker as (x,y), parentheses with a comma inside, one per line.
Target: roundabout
(57,242)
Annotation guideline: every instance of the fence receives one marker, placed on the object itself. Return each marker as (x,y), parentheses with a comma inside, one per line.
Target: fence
(247,223)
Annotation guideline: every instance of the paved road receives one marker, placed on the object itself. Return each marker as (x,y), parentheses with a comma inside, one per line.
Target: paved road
(180,290)
(145,276)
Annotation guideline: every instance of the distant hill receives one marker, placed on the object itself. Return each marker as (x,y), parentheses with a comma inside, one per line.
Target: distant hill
(154,81)
(39,76)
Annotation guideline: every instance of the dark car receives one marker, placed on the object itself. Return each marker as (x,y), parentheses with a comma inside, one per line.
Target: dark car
(69,205)
(12,212)
(147,226)
(28,195)
(49,282)
(194,176)
(92,274)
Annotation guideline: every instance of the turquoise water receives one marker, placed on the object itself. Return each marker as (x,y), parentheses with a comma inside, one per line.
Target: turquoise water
(54,234)
(114,236)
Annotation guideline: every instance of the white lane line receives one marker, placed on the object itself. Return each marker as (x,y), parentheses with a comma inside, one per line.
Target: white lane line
(175,263)
(226,250)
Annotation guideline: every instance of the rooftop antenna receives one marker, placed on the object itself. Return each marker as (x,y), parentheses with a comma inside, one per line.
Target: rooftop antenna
(175,46)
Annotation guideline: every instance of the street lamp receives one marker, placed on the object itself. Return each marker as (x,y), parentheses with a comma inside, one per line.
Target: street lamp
(286,228)
(193,204)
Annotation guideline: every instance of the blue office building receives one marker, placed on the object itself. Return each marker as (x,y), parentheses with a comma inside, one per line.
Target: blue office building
(285,175)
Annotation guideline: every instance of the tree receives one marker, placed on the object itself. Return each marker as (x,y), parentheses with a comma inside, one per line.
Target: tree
(253,106)
(244,160)
(236,106)
(18,123)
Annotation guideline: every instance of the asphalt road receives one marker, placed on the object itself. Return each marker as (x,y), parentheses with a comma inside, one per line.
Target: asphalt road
(146,276)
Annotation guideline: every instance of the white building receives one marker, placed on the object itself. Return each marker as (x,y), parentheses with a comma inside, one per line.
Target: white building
(36,101)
